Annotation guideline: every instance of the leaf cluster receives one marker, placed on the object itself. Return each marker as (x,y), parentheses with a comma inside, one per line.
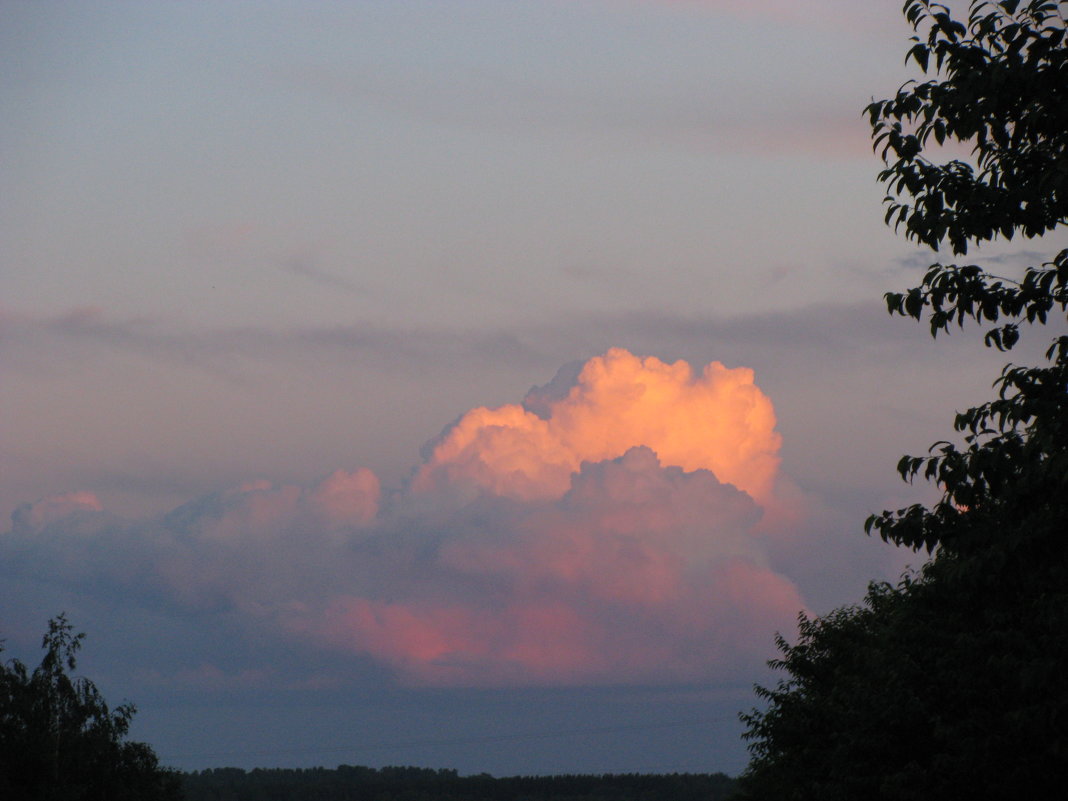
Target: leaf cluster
(1016,446)
(1001,82)
(955,294)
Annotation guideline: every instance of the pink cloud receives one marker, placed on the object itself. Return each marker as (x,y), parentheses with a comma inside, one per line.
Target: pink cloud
(639,572)
(259,509)
(606,530)
(718,420)
(37,515)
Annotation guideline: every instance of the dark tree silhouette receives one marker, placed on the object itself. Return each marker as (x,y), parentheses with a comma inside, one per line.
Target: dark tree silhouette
(950,684)
(347,783)
(59,740)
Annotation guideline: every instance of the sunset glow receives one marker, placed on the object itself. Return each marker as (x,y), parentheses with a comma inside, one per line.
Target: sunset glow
(718,420)
(632,498)
(606,529)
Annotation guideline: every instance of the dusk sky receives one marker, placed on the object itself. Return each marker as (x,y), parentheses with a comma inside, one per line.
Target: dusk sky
(462,384)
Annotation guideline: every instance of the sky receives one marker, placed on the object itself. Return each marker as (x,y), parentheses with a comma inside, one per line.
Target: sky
(463,384)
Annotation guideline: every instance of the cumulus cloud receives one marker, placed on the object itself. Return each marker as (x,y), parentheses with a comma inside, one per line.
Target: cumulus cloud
(603,530)
(260,510)
(638,572)
(42,513)
(719,421)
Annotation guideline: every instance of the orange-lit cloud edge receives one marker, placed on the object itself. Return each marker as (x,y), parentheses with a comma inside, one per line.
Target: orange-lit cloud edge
(605,530)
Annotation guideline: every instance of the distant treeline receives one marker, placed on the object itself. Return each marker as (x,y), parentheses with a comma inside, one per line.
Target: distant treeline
(348,783)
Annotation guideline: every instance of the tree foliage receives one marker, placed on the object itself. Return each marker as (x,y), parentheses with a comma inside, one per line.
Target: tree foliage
(950,684)
(1000,82)
(60,740)
(1014,463)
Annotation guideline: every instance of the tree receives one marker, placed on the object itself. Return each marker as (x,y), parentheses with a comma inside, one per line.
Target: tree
(1004,87)
(59,739)
(999,83)
(951,683)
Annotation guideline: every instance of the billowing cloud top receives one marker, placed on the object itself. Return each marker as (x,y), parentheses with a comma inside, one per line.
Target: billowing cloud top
(602,531)
(718,421)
